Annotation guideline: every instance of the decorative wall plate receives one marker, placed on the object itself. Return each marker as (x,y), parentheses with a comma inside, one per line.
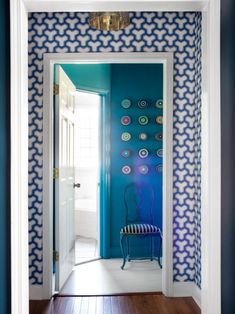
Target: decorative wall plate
(159,104)
(158,136)
(125,120)
(143,136)
(126,136)
(159,168)
(126,169)
(159,119)
(126,103)
(126,153)
(143,120)
(142,103)
(143,153)
(143,169)
(159,152)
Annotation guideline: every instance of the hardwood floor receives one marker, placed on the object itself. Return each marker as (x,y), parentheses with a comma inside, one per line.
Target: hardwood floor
(126,304)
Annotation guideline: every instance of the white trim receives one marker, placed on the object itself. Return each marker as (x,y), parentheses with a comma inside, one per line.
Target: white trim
(35,292)
(197,295)
(211,163)
(183,289)
(187,289)
(47,180)
(19,158)
(211,285)
(49,60)
(115,5)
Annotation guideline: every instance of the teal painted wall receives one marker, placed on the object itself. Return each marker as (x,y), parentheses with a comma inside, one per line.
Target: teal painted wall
(5,288)
(134,81)
(93,77)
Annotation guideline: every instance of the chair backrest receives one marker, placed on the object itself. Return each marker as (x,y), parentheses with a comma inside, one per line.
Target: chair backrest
(139,201)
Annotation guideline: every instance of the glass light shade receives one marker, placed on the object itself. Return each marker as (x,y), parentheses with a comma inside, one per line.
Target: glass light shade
(109,21)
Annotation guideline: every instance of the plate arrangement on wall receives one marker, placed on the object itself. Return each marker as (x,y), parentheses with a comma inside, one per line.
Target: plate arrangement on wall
(144,121)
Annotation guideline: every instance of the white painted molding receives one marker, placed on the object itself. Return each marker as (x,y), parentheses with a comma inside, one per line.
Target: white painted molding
(187,289)
(49,60)
(114,5)
(197,295)
(19,158)
(211,162)
(36,292)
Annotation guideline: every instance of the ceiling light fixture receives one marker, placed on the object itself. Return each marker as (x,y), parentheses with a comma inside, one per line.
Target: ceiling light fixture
(109,21)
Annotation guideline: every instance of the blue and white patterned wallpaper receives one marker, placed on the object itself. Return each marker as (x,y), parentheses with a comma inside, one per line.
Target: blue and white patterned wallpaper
(149,32)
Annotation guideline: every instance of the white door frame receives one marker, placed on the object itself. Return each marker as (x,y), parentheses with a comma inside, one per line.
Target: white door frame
(211,136)
(50,59)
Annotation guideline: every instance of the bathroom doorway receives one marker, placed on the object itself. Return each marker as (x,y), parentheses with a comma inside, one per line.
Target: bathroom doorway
(87,174)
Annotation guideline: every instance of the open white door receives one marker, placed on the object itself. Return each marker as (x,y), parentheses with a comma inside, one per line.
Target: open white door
(64,184)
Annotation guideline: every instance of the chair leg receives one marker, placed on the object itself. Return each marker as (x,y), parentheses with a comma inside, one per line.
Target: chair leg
(152,249)
(159,252)
(128,249)
(123,251)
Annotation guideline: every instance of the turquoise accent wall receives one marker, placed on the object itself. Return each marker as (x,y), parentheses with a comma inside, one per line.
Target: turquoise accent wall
(134,81)
(92,77)
(5,271)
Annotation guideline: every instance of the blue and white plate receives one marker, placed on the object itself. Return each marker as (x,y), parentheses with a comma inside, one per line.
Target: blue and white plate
(143,153)
(143,169)
(159,168)
(159,152)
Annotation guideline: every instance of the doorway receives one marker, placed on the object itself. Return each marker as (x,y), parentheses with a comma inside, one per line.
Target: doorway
(107,231)
(87,174)
(76,176)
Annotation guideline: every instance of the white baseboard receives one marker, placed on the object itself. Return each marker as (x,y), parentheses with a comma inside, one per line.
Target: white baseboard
(35,292)
(187,289)
(197,295)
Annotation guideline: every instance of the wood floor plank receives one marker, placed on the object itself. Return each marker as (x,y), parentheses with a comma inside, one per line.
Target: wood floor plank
(115,305)
(126,304)
(140,305)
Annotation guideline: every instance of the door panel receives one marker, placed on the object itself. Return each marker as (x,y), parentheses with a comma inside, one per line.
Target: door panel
(64,191)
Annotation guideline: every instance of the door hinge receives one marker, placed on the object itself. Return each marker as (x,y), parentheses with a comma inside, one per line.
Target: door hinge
(56,89)
(56,173)
(55,256)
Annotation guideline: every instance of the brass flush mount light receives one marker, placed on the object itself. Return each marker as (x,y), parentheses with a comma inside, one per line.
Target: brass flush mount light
(109,21)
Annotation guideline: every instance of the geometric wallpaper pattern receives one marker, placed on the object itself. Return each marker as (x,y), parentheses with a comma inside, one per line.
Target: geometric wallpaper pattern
(176,32)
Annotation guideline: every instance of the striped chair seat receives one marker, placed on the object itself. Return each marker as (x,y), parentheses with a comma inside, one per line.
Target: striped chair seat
(140,229)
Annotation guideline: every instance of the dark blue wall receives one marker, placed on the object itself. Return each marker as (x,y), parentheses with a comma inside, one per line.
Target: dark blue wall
(5,292)
(134,81)
(228,154)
